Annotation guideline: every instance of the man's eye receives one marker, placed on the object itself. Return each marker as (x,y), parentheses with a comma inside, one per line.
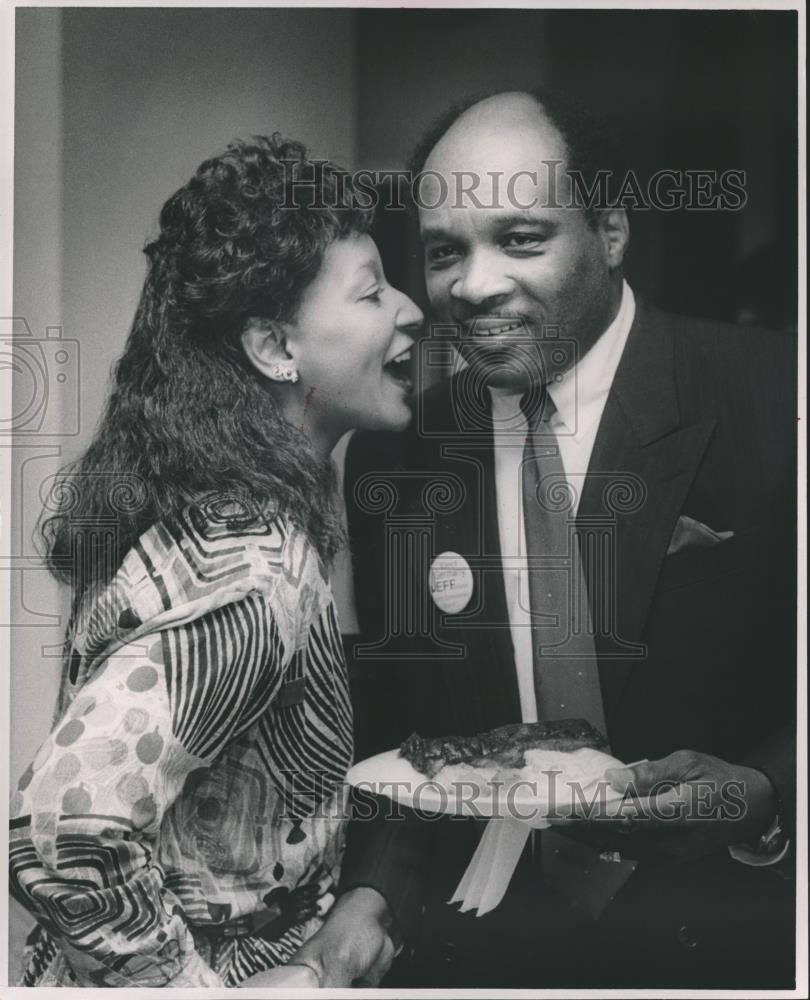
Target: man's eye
(372,296)
(439,256)
(523,241)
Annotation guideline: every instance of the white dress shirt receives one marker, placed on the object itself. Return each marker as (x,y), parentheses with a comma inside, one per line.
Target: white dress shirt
(579,398)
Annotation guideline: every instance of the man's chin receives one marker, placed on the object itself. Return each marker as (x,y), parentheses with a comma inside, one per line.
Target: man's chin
(508,368)
(507,382)
(498,373)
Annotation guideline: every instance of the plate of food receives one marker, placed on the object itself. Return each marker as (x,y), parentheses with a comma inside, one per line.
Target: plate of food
(537,771)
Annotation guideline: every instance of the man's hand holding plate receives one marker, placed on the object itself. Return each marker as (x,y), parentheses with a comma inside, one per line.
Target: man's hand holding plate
(684,806)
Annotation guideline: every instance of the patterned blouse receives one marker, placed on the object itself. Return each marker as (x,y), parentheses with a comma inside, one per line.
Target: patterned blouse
(183,823)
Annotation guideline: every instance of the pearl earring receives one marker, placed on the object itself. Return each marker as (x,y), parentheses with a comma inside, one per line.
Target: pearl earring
(284,373)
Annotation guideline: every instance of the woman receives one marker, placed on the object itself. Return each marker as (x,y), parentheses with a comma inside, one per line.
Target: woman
(182,824)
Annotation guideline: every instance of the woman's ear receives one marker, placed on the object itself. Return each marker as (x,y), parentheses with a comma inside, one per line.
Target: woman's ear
(265,346)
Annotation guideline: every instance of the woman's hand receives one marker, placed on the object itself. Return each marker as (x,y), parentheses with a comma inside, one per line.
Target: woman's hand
(354,946)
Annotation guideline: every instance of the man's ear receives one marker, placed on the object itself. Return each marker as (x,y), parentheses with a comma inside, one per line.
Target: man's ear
(264,344)
(614,229)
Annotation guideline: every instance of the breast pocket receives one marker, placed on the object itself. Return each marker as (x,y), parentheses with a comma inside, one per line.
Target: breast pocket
(699,564)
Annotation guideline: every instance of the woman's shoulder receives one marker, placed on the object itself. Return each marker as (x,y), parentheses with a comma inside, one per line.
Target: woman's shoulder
(219,544)
(216,552)
(208,557)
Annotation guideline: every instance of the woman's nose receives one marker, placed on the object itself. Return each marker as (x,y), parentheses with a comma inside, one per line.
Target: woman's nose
(409,317)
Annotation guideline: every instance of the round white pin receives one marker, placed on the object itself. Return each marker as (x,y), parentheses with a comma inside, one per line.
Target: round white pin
(451,582)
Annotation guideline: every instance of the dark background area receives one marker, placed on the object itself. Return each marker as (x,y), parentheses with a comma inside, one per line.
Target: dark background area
(682,90)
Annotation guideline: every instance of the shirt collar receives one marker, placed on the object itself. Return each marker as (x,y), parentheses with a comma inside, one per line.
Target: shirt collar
(582,390)
(580,394)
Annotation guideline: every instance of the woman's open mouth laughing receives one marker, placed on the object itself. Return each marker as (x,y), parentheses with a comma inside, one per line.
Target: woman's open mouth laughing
(399,369)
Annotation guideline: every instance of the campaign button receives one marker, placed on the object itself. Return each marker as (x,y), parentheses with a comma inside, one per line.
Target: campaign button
(451,582)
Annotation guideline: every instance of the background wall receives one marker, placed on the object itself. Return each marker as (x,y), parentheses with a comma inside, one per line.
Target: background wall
(699,90)
(411,65)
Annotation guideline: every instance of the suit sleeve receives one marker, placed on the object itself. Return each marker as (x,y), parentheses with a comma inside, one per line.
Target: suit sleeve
(388,850)
(775,752)
(776,759)
(89,808)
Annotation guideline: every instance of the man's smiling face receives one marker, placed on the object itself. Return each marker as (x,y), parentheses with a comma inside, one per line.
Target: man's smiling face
(505,273)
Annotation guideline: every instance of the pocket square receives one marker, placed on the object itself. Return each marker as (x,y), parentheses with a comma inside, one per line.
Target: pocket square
(692,534)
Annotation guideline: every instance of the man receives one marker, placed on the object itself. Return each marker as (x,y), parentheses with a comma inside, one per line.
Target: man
(675,440)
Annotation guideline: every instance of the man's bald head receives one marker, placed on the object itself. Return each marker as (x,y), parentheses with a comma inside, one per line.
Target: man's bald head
(567,130)
(516,107)
(475,138)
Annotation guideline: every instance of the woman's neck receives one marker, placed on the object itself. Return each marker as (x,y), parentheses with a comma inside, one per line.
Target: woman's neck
(301,412)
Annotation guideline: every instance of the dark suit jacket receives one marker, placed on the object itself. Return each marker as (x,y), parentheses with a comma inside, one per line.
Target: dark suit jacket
(700,655)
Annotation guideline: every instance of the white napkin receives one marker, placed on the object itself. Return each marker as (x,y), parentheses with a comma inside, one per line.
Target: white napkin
(486,878)
(484,883)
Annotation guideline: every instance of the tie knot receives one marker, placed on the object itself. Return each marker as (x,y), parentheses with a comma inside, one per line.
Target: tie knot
(538,407)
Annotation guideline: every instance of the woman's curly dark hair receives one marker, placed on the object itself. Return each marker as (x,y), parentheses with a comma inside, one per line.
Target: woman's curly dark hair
(188,415)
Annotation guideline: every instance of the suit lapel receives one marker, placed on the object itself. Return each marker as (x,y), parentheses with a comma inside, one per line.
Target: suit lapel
(483,690)
(644,460)
(498,657)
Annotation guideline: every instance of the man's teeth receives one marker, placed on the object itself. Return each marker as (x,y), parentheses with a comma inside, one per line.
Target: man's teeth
(496,331)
